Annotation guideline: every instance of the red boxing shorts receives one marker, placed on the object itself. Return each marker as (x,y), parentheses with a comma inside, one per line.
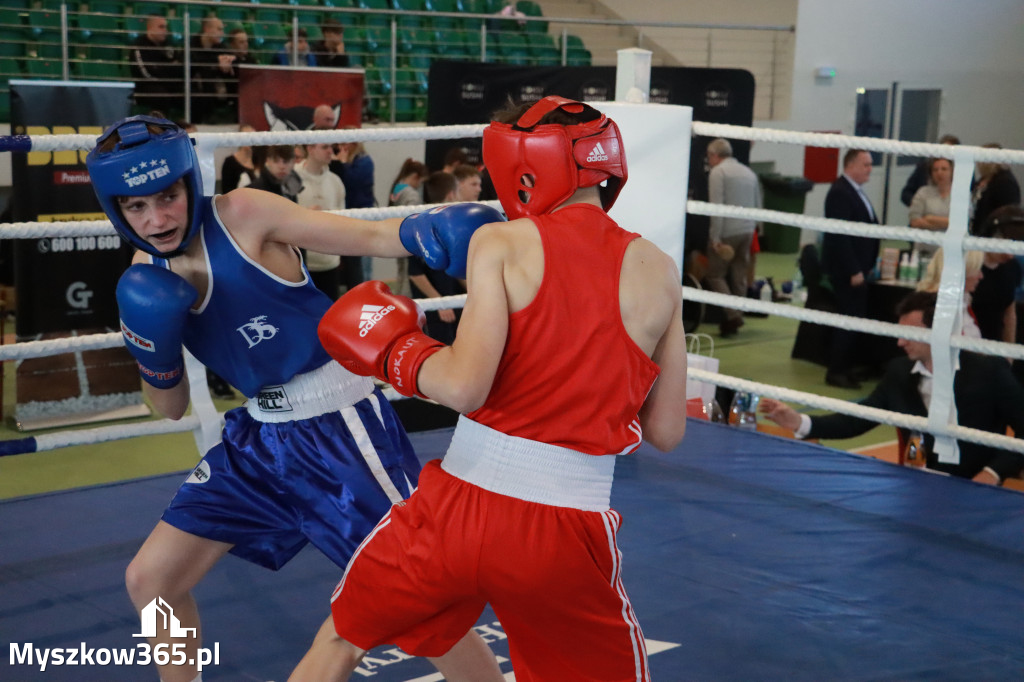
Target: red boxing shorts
(552,574)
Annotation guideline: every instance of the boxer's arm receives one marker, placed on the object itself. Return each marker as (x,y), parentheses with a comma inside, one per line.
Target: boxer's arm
(254,217)
(170,402)
(663,415)
(461,375)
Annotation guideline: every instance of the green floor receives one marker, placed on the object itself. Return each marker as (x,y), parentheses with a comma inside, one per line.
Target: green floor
(760,352)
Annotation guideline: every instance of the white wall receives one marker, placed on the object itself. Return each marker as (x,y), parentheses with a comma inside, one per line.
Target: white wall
(972,51)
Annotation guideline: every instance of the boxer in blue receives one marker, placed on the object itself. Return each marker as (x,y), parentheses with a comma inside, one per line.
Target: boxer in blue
(316,454)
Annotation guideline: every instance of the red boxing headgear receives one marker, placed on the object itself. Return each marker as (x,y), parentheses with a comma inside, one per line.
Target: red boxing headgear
(535,168)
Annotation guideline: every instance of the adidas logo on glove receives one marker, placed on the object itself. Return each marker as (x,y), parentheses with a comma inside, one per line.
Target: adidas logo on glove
(597,154)
(371,315)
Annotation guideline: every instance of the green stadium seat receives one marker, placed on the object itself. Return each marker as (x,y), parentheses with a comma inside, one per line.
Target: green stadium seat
(97,27)
(513,48)
(532,9)
(268,15)
(231,15)
(264,32)
(139,9)
(43,68)
(374,19)
(47,45)
(436,22)
(13,33)
(543,50)
(41,21)
(407,20)
(103,71)
(378,92)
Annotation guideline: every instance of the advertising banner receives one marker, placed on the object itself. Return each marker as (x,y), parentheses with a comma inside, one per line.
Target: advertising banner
(284,97)
(65,285)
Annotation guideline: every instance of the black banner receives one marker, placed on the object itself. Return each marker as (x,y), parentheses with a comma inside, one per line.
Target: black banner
(63,283)
(469,92)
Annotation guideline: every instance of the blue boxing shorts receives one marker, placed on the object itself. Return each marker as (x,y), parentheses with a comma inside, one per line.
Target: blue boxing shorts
(320,459)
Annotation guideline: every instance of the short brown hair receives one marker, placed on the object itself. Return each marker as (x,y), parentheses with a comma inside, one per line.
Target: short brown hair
(852,154)
(438,186)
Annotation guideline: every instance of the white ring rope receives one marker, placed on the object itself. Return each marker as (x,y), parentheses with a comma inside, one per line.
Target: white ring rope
(207,141)
(855,409)
(871,144)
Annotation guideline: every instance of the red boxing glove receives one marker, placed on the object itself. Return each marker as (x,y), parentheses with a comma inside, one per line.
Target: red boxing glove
(373,332)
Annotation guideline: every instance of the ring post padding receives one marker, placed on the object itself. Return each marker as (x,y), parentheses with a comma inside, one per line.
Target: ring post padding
(948,311)
(657,142)
(207,432)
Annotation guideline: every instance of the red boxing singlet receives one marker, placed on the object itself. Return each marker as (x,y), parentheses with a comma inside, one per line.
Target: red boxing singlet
(570,375)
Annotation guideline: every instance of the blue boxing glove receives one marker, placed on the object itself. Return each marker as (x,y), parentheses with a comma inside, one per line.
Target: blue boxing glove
(153,303)
(441,235)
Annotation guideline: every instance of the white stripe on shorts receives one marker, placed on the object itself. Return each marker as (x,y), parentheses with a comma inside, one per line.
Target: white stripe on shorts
(636,636)
(369,453)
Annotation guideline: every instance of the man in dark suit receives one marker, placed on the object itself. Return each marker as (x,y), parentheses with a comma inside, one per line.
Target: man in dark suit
(987,397)
(847,260)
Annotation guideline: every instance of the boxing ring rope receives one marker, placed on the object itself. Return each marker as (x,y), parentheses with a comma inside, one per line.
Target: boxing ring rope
(944,342)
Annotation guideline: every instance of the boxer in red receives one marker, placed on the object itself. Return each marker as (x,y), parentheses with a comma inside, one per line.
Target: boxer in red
(570,351)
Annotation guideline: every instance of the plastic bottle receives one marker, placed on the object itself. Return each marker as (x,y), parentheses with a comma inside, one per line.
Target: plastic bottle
(743,412)
(904,267)
(766,292)
(915,267)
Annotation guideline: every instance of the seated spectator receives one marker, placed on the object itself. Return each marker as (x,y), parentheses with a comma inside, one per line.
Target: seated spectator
(405,190)
(469,186)
(330,51)
(212,70)
(238,44)
(919,178)
(277,172)
(300,56)
(994,301)
(973,261)
(929,209)
(986,394)
(425,282)
(997,187)
(321,191)
(325,117)
(238,164)
(157,68)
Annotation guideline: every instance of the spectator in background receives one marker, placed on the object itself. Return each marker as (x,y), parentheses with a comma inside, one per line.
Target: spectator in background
(848,260)
(238,45)
(325,117)
(157,68)
(929,209)
(301,56)
(986,394)
(355,168)
(277,172)
(994,302)
(330,51)
(321,191)
(238,164)
(212,70)
(730,182)
(996,188)
(468,179)
(919,178)
(438,188)
(456,156)
(405,190)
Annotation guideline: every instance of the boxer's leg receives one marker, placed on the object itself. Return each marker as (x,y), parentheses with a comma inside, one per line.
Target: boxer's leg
(168,566)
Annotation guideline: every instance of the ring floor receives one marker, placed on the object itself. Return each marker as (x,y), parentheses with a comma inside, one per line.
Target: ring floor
(747,556)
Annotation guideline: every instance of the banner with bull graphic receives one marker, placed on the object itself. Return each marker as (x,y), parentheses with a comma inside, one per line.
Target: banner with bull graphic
(285,97)
(65,285)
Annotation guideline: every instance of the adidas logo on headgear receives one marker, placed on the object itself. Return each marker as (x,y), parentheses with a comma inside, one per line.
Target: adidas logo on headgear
(597,154)
(370,316)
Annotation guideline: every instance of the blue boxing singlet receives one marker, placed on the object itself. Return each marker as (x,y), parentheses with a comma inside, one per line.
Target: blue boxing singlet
(253,328)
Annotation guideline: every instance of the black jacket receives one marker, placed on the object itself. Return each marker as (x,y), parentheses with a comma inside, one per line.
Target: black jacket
(988,397)
(843,256)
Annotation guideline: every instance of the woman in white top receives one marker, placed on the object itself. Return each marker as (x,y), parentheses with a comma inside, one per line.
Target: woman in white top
(929,209)
(972,265)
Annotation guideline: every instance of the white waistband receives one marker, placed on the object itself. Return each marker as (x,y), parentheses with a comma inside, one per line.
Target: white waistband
(529,470)
(326,389)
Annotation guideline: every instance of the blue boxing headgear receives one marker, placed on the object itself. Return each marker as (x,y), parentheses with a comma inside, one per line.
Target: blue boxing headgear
(141,163)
